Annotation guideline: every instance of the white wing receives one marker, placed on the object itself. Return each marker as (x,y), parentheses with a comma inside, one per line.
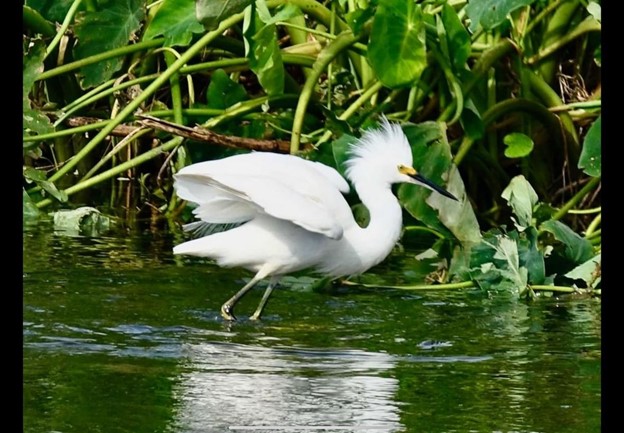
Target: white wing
(235,189)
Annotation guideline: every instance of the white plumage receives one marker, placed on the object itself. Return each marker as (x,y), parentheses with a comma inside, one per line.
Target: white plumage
(293,212)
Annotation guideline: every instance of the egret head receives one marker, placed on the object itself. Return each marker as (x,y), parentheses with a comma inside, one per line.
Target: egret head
(384,156)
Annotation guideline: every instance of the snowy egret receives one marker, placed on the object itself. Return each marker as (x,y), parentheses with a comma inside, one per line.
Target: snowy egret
(290,213)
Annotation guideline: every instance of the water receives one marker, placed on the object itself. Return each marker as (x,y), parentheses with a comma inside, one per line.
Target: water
(121,336)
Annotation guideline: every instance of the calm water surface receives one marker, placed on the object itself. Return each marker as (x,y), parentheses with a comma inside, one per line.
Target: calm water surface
(121,336)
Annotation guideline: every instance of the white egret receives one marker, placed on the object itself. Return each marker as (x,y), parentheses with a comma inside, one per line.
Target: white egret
(291,212)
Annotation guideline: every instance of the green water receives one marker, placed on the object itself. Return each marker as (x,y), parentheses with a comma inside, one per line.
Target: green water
(120,336)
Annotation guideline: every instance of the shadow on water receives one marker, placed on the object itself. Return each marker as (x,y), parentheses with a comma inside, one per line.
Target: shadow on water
(121,336)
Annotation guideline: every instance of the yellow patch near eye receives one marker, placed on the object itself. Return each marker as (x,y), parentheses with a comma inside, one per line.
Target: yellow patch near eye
(404,169)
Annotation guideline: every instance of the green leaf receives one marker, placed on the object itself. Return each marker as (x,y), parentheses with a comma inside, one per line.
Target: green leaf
(471,120)
(518,145)
(491,13)
(40,179)
(396,50)
(590,160)
(100,31)
(590,272)
(457,37)
(506,251)
(176,21)
(530,256)
(223,92)
(284,13)
(595,10)
(577,248)
(33,120)
(340,148)
(432,159)
(494,263)
(29,209)
(53,10)
(521,196)
(211,12)
(357,18)
(262,49)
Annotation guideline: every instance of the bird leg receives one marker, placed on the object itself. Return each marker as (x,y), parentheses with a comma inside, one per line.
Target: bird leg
(228,307)
(265,298)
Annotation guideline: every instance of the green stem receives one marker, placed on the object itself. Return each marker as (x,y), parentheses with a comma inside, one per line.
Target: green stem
(591,229)
(373,89)
(541,15)
(593,182)
(555,29)
(61,31)
(176,92)
(586,26)
(342,42)
(547,288)
(447,286)
(118,52)
(551,99)
(481,68)
(510,105)
(143,96)
(118,169)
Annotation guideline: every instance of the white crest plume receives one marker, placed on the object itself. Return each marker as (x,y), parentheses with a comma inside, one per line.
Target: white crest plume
(380,147)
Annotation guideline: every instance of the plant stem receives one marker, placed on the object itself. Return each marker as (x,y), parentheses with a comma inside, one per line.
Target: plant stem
(118,52)
(342,41)
(118,169)
(591,229)
(586,26)
(447,286)
(594,181)
(155,85)
(61,31)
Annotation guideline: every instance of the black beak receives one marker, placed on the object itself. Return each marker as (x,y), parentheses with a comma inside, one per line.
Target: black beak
(417,177)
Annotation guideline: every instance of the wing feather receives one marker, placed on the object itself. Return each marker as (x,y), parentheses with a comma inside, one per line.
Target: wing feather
(283,186)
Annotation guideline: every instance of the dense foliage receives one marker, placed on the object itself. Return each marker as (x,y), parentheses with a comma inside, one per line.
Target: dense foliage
(501,101)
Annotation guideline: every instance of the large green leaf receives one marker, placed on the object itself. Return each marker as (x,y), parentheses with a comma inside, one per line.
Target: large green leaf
(590,160)
(262,49)
(577,248)
(491,13)
(223,92)
(33,120)
(521,196)
(458,39)
(432,159)
(104,30)
(211,12)
(396,50)
(176,21)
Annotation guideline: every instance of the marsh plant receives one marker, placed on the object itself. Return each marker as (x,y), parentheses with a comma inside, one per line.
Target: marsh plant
(501,102)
